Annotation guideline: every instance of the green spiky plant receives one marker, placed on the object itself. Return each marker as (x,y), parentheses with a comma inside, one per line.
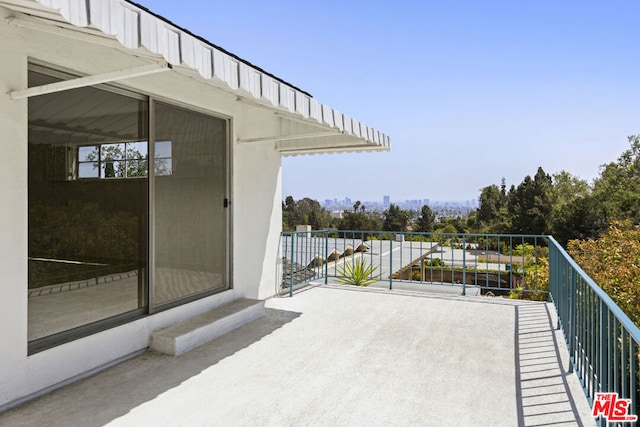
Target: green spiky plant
(358,273)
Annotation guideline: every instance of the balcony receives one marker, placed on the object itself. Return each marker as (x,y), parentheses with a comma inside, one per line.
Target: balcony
(336,355)
(402,351)
(602,342)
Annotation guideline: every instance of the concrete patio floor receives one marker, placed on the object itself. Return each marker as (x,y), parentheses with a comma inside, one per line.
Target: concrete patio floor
(338,355)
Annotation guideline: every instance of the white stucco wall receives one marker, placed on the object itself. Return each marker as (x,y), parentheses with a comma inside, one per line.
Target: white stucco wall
(13,221)
(257,183)
(256,203)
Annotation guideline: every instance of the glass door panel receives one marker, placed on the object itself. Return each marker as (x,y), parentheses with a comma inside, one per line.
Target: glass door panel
(189,188)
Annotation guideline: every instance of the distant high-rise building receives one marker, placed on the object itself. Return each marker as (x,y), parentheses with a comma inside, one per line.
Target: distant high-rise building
(386,201)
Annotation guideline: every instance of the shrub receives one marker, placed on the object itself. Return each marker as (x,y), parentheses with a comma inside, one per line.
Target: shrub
(612,262)
(536,282)
(358,273)
(434,262)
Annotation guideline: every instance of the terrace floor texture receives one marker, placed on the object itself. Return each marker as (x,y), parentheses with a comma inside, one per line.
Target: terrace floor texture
(339,355)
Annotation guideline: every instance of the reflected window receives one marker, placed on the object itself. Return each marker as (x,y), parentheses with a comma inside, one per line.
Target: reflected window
(163,165)
(119,160)
(88,165)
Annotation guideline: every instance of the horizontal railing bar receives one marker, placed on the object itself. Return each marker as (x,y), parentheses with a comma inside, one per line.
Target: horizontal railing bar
(611,305)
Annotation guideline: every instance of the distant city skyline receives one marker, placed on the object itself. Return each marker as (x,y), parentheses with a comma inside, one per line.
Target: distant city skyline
(382,199)
(347,203)
(392,200)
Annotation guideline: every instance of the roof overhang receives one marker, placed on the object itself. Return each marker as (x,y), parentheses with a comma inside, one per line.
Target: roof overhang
(307,126)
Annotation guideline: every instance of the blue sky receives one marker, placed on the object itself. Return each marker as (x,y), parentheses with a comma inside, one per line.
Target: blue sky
(468,91)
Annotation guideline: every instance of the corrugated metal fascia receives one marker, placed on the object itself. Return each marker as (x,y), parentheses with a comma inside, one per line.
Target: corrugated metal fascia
(135,26)
(244,61)
(333,150)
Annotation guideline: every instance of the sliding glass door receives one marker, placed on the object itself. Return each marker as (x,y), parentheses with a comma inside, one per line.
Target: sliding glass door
(127,208)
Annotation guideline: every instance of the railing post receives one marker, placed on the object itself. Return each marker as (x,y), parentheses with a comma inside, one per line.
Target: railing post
(390,261)
(464,265)
(293,246)
(633,362)
(326,257)
(573,317)
(554,279)
(604,356)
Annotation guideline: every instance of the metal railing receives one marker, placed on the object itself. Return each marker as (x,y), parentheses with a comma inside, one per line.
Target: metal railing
(303,256)
(487,262)
(602,341)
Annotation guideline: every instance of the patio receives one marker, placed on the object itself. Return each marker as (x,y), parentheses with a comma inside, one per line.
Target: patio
(339,355)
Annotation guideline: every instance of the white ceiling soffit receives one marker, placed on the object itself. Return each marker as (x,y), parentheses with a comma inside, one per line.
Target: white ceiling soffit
(135,27)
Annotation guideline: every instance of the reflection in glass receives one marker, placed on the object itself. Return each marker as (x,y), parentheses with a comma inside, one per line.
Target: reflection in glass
(89,205)
(87,237)
(88,170)
(163,164)
(88,153)
(88,165)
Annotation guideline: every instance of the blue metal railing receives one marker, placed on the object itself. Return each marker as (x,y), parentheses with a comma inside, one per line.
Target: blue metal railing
(501,264)
(304,255)
(602,341)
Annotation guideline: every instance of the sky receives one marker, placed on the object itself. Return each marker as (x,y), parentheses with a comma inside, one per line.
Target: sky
(468,91)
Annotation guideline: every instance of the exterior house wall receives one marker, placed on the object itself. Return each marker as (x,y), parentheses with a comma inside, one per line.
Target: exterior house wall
(256,203)
(13,221)
(258,169)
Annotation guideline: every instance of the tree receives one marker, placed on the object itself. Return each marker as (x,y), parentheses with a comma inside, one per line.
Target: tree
(395,219)
(288,212)
(576,220)
(612,262)
(567,188)
(355,221)
(304,211)
(448,229)
(582,211)
(503,189)
(564,205)
(290,204)
(489,203)
(425,220)
(573,215)
(617,190)
(530,204)
(492,214)
(473,222)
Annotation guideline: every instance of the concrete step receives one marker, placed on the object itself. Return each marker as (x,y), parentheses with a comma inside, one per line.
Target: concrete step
(196,331)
